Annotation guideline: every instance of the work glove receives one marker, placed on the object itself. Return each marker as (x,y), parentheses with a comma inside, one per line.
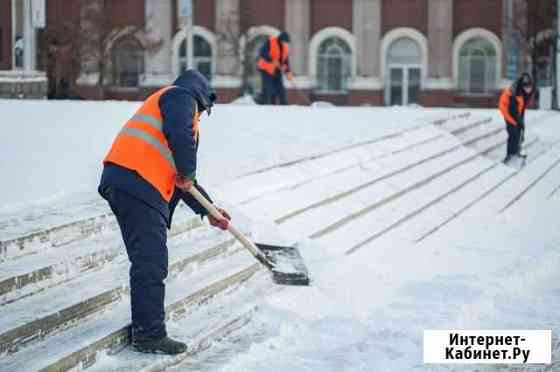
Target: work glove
(221,224)
(290,76)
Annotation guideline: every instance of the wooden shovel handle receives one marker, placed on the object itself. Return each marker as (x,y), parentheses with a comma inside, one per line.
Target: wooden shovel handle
(249,245)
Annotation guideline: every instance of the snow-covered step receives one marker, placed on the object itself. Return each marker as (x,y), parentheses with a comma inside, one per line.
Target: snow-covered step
(385,169)
(345,210)
(509,189)
(54,226)
(536,176)
(291,175)
(201,329)
(409,189)
(30,274)
(436,218)
(108,332)
(289,203)
(366,228)
(457,128)
(55,235)
(48,214)
(444,117)
(67,303)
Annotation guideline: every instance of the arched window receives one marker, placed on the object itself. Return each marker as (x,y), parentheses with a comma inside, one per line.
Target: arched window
(333,65)
(254,83)
(202,56)
(404,69)
(477,66)
(128,62)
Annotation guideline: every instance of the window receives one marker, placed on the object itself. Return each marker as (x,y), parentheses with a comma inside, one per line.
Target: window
(128,62)
(404,61)
(477,67)
(333,65)
(404,51)
(202,56)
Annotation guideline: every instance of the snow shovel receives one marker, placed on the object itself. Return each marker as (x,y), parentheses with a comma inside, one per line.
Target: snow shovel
(300,93)
(285,263)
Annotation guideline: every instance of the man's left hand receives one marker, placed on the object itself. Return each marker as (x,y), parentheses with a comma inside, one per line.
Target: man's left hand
(221,224)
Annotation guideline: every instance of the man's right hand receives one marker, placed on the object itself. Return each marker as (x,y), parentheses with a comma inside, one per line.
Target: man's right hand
(183,183)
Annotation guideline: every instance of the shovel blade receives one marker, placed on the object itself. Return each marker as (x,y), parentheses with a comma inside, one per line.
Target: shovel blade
(289,268)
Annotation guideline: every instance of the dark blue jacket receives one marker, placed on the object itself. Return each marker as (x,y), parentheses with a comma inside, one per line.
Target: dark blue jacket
(177,106)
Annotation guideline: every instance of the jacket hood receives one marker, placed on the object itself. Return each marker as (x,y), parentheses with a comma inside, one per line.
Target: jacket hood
(517,87)
(194,82)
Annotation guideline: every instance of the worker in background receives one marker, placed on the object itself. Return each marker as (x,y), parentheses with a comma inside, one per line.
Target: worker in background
(273,63)
(512,106)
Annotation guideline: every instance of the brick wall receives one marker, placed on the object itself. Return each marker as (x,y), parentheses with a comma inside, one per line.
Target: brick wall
(405,13)
(328,13)
(204,13)
(5,35)
(259,12)
(477,13)
(366,97)
(127,13)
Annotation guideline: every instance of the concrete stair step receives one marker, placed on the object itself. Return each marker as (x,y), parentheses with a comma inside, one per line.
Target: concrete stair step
(67,304)
(384,212)
(34,273)
(292,175)
(392,173)
(108,332)
(438,217)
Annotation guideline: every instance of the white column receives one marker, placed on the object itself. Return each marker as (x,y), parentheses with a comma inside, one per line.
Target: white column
(29,39)
(367,29)
(297,20)
(158,26)
(227,56)
(440,44)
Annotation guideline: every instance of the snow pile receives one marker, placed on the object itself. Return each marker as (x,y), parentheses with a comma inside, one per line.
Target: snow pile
(247,99)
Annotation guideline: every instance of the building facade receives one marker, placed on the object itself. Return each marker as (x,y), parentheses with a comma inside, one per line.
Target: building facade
(19,75)
(349,52)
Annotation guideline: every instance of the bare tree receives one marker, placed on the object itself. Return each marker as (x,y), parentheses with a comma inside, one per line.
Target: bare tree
(238,45)
(531,22)
(97,35)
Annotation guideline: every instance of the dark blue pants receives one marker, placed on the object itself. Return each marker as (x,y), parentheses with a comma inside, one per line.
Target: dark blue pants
(144,233)
(514,139)
(273,89)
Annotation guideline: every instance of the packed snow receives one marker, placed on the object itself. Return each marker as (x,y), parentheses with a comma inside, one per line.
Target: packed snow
(493,267)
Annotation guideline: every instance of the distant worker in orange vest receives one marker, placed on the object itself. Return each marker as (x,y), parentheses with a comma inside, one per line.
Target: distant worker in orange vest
(149,168)
(512,106)
(272,63)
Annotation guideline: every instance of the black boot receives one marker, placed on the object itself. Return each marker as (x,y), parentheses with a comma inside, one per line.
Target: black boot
(163,345)
(506,159)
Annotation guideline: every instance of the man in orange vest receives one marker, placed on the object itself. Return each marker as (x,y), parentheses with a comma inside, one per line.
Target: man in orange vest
(513,103)
(149,168)
(272,63)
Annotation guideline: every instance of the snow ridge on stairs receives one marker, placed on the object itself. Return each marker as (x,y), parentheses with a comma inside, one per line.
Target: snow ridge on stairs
(397,179)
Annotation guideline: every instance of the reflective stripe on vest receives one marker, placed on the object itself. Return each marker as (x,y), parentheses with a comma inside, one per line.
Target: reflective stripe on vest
(144,136)
(141,146)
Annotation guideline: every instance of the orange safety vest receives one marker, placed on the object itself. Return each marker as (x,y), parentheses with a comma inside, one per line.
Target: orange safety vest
(503,106)
(141,146)
(274,53)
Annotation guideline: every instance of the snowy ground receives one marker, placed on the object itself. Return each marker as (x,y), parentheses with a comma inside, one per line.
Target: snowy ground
(486,269)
